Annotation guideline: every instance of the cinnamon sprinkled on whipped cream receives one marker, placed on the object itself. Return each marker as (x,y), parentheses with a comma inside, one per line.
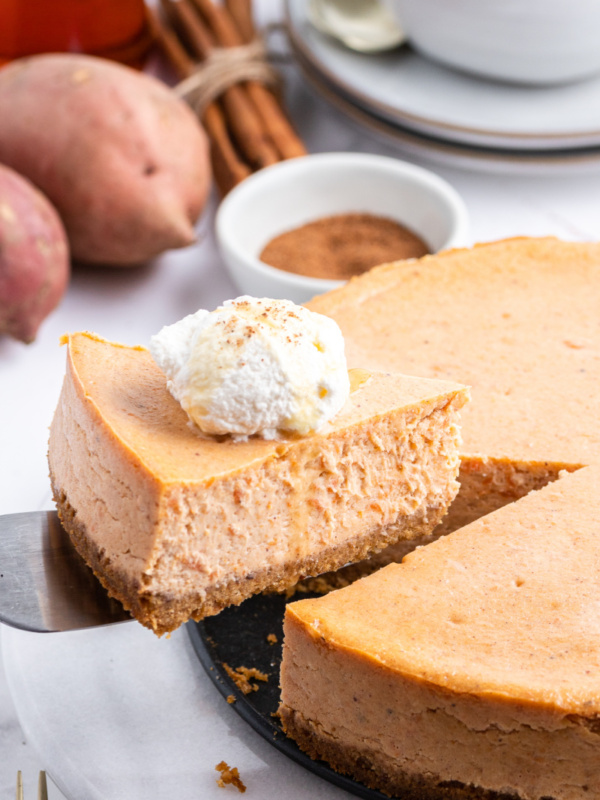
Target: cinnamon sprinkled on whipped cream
(255,366)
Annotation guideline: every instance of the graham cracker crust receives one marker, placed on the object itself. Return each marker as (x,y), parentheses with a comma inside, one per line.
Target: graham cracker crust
(372,770)
(163,613)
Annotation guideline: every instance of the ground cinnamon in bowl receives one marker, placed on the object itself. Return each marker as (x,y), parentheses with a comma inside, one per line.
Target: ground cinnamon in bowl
(342,246)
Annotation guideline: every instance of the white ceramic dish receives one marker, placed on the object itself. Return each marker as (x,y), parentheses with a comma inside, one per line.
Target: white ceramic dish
(409,90)
(556,163)
(292,193)
(527,41)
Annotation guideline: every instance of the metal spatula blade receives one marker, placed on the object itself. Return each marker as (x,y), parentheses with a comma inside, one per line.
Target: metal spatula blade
(45,586)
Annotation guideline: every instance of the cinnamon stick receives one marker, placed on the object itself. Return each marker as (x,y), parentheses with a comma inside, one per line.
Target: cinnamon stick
(228,169)
(171,47)
(240,12)
(219,23)
(183,17)
(223,27)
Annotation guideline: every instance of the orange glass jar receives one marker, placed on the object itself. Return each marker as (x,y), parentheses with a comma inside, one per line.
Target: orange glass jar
(114,29)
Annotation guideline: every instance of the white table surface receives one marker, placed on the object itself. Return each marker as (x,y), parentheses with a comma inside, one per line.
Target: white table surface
(131,305)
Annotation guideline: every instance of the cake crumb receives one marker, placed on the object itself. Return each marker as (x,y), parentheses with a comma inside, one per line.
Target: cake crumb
(243,675)
(231,698)
(229,775)
(272,639)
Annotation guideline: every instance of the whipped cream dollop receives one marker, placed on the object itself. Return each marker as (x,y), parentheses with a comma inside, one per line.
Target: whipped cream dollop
(255,366)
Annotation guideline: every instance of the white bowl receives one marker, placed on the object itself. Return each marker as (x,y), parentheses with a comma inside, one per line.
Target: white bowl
(523,41)
(292,193)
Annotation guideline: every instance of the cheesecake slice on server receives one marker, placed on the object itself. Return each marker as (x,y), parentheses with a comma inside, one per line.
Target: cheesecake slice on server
(179,524)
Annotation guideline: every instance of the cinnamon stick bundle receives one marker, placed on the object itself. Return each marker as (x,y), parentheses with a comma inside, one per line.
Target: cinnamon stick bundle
(223,25)
(247,126)
(244,122)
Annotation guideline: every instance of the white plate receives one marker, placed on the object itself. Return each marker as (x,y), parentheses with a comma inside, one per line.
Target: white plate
(438,152)
(408,90)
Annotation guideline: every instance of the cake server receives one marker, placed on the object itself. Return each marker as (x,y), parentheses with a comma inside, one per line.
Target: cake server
(45,586)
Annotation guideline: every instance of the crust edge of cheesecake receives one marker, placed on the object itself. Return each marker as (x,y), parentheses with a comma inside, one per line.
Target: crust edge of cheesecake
(365,767)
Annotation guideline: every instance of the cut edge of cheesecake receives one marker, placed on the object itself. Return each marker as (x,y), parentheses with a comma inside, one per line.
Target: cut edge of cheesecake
(486,485)
(179,526)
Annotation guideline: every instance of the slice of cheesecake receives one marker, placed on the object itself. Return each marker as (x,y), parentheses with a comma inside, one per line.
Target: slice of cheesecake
(472,669)
(178,525)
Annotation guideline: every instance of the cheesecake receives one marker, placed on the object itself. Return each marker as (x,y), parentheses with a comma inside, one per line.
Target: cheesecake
(469,666)
(178,525)
(518,322)
(471,669)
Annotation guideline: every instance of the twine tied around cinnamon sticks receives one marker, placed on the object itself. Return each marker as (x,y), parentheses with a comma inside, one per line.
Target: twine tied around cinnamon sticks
(225,67)
(244,119)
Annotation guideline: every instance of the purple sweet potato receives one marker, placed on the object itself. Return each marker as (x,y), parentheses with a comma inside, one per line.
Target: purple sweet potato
(34,257)
(121,157)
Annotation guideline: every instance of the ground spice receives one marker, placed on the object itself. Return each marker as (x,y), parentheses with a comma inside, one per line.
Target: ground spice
(342,246)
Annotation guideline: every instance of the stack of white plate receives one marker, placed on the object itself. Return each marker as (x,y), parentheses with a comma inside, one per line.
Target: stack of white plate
(447,116)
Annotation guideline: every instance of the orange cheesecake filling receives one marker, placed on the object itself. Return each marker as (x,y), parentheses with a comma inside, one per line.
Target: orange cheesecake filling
(178,525)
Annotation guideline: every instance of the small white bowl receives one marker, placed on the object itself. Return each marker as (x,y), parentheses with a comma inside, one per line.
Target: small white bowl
(292,193)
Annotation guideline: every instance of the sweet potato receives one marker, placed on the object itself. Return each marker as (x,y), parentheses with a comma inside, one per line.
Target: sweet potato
(124,161)
(34,257)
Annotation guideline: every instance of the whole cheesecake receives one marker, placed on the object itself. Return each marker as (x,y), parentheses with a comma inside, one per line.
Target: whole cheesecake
(178,525)
(472,669)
